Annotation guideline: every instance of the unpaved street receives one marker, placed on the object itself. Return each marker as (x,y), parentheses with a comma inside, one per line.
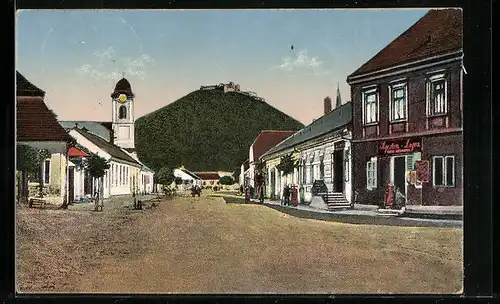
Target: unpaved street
(204,245)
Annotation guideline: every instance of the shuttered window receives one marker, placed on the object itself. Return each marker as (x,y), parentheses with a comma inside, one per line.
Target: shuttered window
(371,174)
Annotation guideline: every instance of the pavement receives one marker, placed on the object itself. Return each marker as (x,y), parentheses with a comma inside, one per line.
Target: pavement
(362,214)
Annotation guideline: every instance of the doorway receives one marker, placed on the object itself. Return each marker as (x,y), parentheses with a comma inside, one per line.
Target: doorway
(71,185)
(399,174)
(338,171)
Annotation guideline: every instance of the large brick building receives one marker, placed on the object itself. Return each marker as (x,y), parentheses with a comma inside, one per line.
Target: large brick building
(407,115)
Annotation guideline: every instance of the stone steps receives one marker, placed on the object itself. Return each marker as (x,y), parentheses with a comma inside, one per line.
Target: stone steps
(335,200)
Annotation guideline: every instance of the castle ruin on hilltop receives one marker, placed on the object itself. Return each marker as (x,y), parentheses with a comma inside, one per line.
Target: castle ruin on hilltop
(231,87)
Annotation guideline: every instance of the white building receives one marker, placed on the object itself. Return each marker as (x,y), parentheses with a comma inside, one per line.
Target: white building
(124,175)
(115,141)
(322,151)
(265,141)
(188,178)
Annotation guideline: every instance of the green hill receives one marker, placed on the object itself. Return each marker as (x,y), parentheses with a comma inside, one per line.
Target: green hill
(206,130)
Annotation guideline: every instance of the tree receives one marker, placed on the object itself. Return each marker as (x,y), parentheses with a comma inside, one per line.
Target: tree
(29,160)
(165,176)
(287,164)
(226,180)
(96,167)
(178,180)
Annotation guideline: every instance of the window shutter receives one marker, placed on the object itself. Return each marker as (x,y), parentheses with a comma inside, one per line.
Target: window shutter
(375,173)
(409,162)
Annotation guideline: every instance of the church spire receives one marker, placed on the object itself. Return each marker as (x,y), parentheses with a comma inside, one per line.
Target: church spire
(338,102)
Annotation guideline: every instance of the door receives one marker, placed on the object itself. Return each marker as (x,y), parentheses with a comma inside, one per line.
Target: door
(399,174)
(71,185)
(338,171)
(273,184)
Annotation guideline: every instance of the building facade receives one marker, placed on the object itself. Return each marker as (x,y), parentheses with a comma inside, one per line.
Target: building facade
(322,151)
(407,116)
(264,142)
(37,127)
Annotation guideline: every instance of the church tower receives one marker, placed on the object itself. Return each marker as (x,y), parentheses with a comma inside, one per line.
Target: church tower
(123,115)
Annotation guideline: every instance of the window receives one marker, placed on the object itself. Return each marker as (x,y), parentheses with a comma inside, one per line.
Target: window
(443,171)
(436,95)
(398,102)
(46,172)
(311,177)
(321,168)
(371,174)
(370,107)
(346,166)
(122,112)
(304,173)
(126,176)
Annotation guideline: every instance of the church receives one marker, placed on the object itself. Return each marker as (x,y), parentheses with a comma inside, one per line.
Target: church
(114,141)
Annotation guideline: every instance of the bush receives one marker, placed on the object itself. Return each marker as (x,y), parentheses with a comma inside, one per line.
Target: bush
(319,186)
(226,180)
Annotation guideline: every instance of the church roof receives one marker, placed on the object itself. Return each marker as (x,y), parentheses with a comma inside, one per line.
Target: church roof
(111,149)
(122,87)
(98,128)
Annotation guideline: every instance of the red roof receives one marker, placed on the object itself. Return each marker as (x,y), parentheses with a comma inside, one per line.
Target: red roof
(438,32)
(26,88)
(35,122)
(74,152)
(208,175)
(266,140)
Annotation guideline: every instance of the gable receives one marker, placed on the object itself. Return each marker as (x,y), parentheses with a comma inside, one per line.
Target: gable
(438,32)
(35,122)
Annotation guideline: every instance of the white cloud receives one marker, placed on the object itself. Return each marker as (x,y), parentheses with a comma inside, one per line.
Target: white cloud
(111,67)
(302,61)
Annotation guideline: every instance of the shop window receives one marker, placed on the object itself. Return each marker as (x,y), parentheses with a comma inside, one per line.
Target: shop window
(443,171)
(398,102)
(371,174)
(436,95)
(370,107)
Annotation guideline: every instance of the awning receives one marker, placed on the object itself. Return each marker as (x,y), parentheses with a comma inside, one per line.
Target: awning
(74,152)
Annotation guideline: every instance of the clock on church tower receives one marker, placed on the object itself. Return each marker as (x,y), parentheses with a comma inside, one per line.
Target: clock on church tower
(123,115)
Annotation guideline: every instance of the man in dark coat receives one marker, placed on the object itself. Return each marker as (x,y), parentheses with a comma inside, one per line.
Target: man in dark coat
(286,195)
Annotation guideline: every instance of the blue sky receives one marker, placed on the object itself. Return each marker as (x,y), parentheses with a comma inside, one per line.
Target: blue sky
(78,56)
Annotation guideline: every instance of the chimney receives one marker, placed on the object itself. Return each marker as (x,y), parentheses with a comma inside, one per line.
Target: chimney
(328,104)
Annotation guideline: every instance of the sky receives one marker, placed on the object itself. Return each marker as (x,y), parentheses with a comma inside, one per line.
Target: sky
(77,56)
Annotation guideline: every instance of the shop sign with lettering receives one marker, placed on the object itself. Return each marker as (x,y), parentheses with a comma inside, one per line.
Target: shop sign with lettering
(400,146)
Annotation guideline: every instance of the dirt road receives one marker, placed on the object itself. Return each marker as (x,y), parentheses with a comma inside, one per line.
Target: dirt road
(203,245)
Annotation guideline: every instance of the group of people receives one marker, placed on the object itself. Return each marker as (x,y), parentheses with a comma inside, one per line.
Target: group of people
(287,193)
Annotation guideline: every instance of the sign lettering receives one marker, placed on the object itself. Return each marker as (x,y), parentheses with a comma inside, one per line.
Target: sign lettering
(390,147)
